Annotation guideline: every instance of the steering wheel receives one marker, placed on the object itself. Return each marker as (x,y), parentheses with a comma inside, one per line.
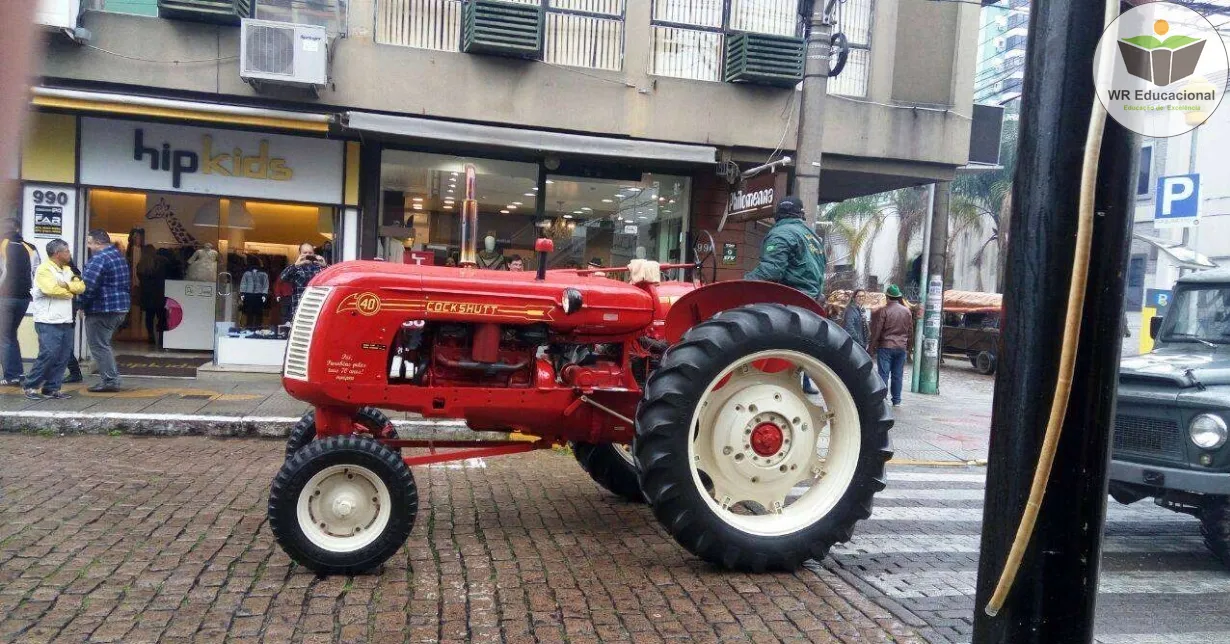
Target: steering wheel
(705,251)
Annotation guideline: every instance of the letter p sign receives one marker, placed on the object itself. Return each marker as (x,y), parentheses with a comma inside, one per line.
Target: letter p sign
(1178,201)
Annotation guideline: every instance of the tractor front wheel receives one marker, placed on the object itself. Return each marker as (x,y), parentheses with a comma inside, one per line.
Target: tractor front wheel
(743,467)
(342,505)
(368,421)
(612,467)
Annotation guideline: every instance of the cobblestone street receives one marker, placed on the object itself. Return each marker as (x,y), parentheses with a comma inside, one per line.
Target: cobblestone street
(122,539)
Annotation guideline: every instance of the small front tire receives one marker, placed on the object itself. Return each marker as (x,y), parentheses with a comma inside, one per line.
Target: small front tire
(342,505)
(368,421)
(1215,528)
(984,363)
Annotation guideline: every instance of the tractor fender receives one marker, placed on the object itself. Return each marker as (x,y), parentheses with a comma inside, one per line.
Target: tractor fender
(707,301)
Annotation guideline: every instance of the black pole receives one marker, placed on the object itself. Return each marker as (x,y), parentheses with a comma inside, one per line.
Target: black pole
(1055,593)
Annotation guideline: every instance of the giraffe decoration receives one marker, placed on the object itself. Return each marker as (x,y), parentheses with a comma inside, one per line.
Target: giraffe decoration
(162,210)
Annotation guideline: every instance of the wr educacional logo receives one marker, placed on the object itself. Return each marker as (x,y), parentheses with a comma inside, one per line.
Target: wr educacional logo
(1158,61)
(1160,69)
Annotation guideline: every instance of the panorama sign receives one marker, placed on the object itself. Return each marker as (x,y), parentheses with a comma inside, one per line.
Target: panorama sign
(757,197)
(1160,69)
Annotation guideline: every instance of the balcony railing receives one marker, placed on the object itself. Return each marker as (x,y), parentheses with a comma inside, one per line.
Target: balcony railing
(581,33)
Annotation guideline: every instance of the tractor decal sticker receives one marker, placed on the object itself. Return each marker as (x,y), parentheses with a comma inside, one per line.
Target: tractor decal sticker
(364,303)
(371,304)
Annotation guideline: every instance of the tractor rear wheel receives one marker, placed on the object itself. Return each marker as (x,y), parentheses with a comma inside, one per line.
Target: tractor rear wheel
(612,467)
(342,505)
(741,466)
(368,420)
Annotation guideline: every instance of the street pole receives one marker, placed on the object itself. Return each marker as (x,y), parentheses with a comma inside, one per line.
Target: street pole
(1055,592)
(935,265)
(916,366)
(809,145)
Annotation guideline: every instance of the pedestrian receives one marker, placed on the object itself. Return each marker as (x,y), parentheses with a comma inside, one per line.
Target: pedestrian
(301,272)
(107,298)
(74,367)
(890,335)
(791,253)
(54,289)
(152,291)
(17,262)
(854,320)
(516,264)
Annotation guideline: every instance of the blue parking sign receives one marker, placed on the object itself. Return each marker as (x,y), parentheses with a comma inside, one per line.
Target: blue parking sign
(1178,201)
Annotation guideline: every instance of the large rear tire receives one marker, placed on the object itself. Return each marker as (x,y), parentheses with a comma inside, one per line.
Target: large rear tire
(368,421)
(1215,528)
(742,467)
(612,467)
(342,505)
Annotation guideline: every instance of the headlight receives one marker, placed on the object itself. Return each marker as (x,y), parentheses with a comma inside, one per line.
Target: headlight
(1208,431)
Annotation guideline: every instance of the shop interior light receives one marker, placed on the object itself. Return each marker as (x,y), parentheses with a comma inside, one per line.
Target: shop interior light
(418,206)
(448,206)
(567,216)
(549,182)
(517,203)
(418,199)
(511,207)
(503,212)
(608,201)
(530,194)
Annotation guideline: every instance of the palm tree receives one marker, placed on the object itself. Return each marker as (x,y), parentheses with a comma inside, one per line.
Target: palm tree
(988,196)
(909,205)
(857,221)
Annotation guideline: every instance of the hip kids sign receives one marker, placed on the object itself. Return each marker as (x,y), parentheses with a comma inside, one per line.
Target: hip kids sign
(155,156)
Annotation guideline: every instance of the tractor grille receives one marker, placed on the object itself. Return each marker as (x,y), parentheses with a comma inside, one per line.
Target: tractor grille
(1154,437)
(299,344)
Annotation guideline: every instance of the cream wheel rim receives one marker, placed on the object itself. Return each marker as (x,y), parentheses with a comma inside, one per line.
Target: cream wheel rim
(344,508)
(766,457)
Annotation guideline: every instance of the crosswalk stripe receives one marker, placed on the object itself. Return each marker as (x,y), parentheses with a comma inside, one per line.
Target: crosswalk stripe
(932,477)
(923,513)
(931,494)
(881,544)
(1202,637)
(957,583)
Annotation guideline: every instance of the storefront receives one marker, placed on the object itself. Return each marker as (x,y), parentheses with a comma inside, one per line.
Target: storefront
(207,218)
(604,201)
(594,221)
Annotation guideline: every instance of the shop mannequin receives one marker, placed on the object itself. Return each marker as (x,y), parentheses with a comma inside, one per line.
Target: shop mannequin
(254,293)
(640,252)
(203,265)
(488,258)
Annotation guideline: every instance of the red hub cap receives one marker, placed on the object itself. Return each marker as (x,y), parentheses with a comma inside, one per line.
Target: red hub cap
(766,439)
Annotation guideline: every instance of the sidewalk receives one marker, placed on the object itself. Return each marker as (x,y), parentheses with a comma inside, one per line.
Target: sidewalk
(951,427)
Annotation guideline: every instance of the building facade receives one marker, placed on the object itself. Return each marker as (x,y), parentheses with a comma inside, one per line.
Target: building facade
(1001,52)
(618,127)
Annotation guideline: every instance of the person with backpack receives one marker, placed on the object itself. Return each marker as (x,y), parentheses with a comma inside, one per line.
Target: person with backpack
(17,262)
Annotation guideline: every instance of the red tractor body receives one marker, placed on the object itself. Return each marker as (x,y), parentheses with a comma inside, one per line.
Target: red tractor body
(477,352)
(733,396)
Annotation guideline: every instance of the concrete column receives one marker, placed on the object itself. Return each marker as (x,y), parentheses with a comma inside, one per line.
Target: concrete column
(810,145)
(937,262)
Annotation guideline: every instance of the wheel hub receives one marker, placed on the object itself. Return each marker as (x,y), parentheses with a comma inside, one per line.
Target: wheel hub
(767,439)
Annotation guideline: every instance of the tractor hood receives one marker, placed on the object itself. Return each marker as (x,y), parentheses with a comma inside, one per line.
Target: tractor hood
(1182,366)
(606,306)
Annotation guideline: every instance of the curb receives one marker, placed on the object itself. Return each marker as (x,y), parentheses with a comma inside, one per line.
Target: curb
(65,423)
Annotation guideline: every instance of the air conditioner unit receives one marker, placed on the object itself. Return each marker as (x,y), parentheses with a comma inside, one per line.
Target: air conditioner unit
(283,53)
(58,14)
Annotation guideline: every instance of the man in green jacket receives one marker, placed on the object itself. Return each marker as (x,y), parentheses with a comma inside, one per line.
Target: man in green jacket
(791,254)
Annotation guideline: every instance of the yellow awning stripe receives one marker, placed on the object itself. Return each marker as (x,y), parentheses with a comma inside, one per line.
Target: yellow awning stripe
(151,111)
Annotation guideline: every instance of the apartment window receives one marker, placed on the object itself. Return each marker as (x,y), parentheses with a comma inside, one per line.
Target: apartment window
(579,33)
(1145,172)
(134,7)
(330,14)
(689,35)
(854,20)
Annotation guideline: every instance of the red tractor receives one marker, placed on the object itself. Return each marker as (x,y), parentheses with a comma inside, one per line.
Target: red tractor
(693,398)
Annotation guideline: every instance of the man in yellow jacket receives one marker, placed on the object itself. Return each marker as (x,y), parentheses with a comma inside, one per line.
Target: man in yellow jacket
(55,286)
